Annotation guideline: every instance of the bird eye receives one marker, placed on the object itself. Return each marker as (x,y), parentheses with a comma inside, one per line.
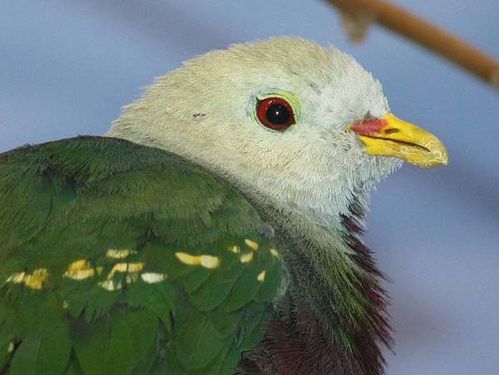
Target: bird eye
(275,113)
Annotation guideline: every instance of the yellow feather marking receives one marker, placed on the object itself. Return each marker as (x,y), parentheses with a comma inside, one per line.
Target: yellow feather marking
(153,277)
(132,274)
(110,285)
(235,249)
(32,281)
(126,267)
(65,305)
(245,258)
(79,270)
(37,279)
(10,349)
(251,244)
(206,261)
(274,252)
(16,278)
(119,253)
(261,277)
(191,260)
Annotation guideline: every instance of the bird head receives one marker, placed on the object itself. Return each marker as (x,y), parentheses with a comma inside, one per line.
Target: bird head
(288,121)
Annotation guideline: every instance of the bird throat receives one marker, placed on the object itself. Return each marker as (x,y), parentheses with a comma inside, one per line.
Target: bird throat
(332,318)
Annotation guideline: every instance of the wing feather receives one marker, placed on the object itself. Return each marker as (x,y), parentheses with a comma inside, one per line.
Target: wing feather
(119,258)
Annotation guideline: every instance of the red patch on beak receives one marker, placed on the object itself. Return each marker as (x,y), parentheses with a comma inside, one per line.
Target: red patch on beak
(370,126)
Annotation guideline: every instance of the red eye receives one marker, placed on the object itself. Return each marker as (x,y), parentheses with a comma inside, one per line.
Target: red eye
(275,113)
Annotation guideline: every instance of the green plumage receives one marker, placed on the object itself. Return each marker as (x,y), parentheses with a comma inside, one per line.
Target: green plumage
(121,259)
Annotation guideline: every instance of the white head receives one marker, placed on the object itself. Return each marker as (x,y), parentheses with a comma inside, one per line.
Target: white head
(206,111)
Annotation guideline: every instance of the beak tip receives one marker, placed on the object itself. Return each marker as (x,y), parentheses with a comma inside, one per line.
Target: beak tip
(445,156)
(443,160)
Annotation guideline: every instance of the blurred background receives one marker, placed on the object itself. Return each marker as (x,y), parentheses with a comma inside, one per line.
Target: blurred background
(66,68)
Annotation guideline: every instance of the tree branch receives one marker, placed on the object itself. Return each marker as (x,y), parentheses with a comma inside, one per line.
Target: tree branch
(425,34)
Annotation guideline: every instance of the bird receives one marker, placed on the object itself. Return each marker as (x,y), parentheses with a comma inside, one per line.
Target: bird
(216,228)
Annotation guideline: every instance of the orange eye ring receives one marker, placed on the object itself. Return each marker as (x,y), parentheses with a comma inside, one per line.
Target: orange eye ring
(275,113)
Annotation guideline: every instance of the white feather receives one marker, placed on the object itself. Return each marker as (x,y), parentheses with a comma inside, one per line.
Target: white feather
(204,112)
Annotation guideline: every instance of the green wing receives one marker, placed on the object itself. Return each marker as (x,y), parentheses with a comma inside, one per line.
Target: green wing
(117,258)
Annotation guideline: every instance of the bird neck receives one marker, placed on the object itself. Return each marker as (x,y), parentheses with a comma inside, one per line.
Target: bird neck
(334,307)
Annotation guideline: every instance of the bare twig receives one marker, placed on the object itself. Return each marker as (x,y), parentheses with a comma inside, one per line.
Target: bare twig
(425,34)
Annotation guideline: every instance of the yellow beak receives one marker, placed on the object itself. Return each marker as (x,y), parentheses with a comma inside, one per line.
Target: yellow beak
(390,136)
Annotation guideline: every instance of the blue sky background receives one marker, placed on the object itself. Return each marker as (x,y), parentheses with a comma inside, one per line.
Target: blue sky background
(66,68)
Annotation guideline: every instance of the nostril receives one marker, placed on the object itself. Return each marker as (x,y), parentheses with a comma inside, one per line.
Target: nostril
(390,131)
